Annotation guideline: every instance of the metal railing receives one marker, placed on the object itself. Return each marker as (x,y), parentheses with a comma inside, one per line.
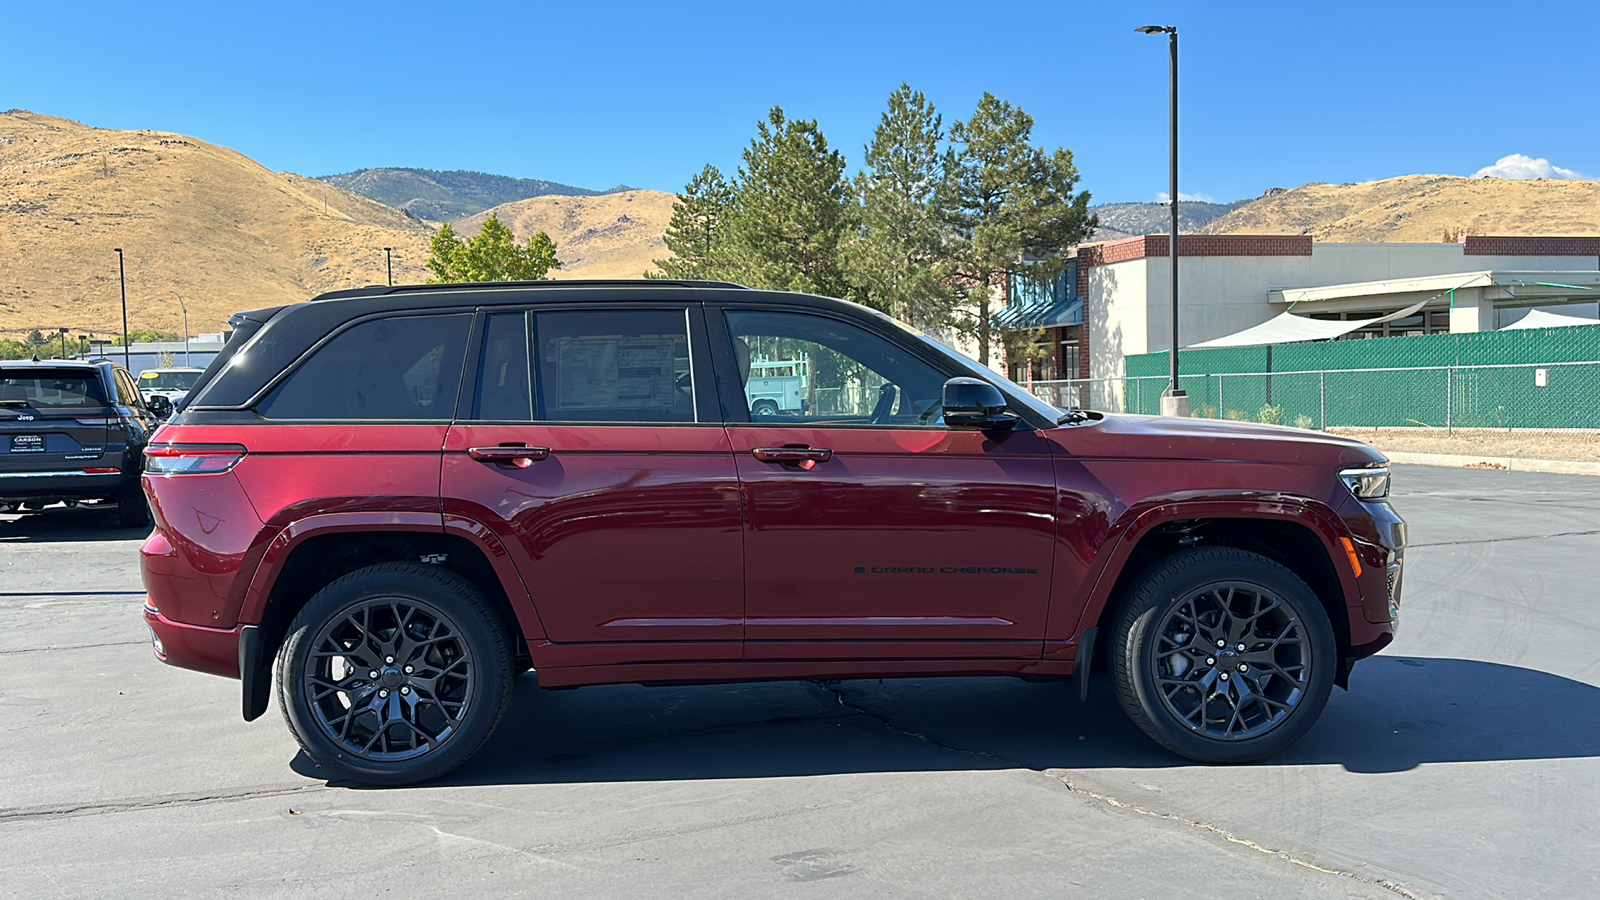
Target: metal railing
(1538,396)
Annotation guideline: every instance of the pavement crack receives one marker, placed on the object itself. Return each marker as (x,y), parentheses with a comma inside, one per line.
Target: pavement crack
(22,650)
(159,801)
(1386,884)
(836,689)
(1520,537)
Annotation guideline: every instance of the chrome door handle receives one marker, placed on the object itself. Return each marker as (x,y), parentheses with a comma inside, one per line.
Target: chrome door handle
(792,454)
(521,457)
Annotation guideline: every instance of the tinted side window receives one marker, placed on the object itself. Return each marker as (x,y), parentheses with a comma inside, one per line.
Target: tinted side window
(622,365)
(406,368)
(504,389)
(127,393)
(810,368)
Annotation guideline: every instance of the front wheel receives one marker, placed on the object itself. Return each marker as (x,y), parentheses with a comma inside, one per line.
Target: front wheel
(394,674)
(1222,655)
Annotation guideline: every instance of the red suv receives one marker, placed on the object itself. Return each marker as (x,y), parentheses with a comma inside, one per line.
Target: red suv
(408,495)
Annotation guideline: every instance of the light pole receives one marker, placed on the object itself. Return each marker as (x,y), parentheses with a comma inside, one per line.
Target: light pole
(388,261)
(63,343)
(122,277)
(1175,402)
(185,309)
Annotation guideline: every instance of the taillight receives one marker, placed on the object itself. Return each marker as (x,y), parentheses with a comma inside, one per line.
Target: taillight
(98,420)
(191,459)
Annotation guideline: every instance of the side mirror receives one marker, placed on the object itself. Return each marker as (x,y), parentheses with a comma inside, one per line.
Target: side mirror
(974,403)
(159,404)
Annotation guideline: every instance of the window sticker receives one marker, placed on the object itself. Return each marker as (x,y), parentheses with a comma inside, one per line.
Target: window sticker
(615,372)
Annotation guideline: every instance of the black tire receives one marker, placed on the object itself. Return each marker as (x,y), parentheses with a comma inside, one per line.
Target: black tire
(442,658)
(764,408)
(133,511)
(1216,703)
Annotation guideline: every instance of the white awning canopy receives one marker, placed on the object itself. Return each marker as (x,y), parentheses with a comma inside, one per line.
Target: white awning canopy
(1538,318)
(1288,328)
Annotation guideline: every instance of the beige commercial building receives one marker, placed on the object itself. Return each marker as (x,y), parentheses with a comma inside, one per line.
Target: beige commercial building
(1122,292)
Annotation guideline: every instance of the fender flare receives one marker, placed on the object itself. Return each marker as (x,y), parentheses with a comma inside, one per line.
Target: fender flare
(1139,521)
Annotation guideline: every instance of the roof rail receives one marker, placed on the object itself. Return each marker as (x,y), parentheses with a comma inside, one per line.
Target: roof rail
(378,289)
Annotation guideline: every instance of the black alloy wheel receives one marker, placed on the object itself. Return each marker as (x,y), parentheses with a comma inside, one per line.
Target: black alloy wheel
(395,673)
(1222,655)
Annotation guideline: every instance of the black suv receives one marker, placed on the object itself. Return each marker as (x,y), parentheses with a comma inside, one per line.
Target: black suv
(73,431)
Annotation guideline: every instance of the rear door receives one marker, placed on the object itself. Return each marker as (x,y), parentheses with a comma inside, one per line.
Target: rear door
(594,449)
(52,419)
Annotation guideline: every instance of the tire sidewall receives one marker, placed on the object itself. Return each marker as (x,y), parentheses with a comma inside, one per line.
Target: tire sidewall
(454,598)
(1135,649)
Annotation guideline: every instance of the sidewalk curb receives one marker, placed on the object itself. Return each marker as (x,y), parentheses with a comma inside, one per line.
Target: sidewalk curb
(1508,463)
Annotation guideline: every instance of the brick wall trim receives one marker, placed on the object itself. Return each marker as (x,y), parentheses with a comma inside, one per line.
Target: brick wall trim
(1155,245)
(1529,246)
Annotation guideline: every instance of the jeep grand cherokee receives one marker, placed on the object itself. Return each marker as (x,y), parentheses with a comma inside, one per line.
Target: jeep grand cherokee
(408,495)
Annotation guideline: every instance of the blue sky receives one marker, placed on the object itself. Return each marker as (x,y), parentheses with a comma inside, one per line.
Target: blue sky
(1274,94)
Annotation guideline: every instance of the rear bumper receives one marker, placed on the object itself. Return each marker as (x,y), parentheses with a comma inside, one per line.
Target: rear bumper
(213,650)
(64,484)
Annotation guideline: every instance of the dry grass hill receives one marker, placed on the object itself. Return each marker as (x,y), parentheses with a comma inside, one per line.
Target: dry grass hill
(220,229)
(228,234)
(609,236)
(1421,209)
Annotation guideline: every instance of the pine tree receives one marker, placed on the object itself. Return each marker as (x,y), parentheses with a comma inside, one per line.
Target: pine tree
(789,212)
(897,261)
(492,255)
(1009,207)
(695,234)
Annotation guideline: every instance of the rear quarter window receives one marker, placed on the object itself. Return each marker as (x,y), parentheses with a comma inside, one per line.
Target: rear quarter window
(401,368)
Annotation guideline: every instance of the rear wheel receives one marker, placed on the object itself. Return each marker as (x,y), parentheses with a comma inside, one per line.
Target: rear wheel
(395,674)
(764,408)
(1222,655)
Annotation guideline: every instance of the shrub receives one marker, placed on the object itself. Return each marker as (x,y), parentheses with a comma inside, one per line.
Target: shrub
(1270,415)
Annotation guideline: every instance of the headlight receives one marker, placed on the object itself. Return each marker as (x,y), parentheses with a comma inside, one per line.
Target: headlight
(1367,484)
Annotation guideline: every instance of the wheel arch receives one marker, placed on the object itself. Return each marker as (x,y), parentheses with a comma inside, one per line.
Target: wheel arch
(1295,537)
(314,552)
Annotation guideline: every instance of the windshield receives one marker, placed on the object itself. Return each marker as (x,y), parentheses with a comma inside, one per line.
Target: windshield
(159,380)
(47,388)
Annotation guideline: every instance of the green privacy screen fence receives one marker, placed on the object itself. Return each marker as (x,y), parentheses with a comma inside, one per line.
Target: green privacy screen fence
(1543,378)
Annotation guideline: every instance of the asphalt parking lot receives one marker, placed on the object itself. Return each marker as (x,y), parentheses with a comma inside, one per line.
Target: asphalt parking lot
(1462,762)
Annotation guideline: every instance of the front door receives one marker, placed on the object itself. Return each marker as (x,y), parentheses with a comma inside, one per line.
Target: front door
(588,451)
(872,530)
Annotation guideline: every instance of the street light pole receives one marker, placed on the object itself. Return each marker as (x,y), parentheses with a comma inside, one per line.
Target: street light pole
(1175,402)
(122,277)
(63,343)
(185,309)
(388,261)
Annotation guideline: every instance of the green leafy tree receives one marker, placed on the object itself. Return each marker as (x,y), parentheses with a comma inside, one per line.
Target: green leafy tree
(695,233)
(145,336)
(1009,208)
(897,260)
(789,212)
(492,255)
(10,349)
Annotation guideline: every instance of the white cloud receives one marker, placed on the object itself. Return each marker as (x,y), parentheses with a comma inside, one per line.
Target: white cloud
(1521,167)
(1185,198)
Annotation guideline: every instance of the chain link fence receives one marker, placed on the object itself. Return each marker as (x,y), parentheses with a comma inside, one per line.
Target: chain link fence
(1537,396)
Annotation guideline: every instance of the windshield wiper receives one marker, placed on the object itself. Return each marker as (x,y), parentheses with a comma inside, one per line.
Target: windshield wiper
(15,403)
(1073,417)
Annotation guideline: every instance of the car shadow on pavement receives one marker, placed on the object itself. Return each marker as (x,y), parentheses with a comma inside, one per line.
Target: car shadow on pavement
(61,523)
(1401,712)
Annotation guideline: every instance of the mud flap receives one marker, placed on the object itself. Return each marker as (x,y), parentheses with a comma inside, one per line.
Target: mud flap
(255,677)
(1084,662)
